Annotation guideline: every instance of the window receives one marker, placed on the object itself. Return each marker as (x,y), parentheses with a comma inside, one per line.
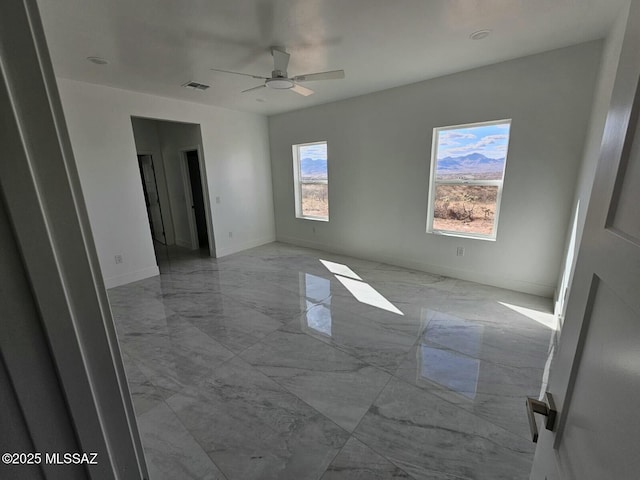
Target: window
(467,170)
(311,181)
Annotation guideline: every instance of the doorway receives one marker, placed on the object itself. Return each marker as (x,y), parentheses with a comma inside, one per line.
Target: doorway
(196,200)
(151,198)
(174,176)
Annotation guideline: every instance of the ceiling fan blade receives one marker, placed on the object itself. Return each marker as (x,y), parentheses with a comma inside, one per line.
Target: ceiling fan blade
(238,73)
(253,88)
(332,75)
(300,90)
(280,59)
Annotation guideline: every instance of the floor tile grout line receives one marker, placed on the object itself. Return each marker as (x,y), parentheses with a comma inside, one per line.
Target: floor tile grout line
(349,433)
(334,457)
(375,450)
(394,375)
(302,401)
(353,433)
(345,349)
(323,473)
(406,382)
(267,377)
(194,438)
(164,401)
(317,340)
(235,354)
(331,345)
(439,346)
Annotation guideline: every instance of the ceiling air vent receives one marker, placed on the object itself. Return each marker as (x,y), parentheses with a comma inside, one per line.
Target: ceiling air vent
(195,86)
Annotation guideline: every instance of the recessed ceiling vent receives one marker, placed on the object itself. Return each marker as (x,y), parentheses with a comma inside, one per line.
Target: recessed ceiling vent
(195,85)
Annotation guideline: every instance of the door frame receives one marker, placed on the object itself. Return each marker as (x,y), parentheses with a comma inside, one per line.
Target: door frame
(186,182)
(43,198)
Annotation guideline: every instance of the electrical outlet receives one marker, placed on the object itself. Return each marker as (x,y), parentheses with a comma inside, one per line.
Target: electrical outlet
(118,258)
(217,199)
(460,252)
(230,234)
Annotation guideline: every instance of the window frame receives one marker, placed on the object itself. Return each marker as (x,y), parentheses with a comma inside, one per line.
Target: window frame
(297,181)
(433,182)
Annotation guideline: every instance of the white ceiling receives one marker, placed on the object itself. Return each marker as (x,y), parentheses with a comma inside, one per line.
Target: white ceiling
(154,46)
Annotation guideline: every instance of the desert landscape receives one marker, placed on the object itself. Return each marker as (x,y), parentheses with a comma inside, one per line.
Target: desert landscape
(315,199)
(465,208)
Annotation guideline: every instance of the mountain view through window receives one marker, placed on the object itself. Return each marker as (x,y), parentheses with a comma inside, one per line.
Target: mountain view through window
(313,180)
(468,174)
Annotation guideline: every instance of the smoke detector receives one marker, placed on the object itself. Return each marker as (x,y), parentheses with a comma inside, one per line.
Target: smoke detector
(98,60)
(480,34)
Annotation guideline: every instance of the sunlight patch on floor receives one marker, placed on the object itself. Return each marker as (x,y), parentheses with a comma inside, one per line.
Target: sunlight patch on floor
(549,320)
(365,293)
(340,269)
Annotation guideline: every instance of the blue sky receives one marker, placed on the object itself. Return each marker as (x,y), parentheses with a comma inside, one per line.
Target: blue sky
(314,152)
(489,140)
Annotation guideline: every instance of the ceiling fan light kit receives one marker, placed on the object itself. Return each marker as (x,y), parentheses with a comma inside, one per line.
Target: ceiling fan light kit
(279,83)
(280,79)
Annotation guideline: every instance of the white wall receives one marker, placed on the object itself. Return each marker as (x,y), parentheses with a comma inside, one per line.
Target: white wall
(236,152)
(379,153)
(148,142)
(175,137)
(586,175)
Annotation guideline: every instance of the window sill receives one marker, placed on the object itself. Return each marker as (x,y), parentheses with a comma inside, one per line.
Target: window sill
(461,235)
(315,219)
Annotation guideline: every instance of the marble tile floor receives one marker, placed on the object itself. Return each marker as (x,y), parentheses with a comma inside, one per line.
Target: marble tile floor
(273,364)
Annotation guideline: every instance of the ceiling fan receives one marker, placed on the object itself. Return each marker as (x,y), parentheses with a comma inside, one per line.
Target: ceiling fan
(280,80)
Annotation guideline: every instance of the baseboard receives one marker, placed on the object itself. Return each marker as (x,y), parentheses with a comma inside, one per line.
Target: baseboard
(131,277)
(222,252)
(415,264)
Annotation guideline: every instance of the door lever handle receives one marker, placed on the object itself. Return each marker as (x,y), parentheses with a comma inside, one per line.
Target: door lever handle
(546,407)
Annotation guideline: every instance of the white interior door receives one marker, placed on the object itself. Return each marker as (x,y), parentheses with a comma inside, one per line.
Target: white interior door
(595,377)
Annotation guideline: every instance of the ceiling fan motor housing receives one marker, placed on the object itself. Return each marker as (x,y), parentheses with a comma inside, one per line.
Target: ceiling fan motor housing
(279,80)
